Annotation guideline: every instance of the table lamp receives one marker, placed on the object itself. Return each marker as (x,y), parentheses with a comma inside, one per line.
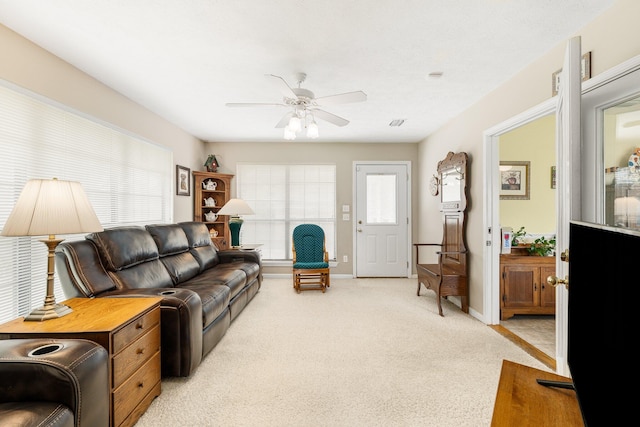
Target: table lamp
(50,207)
(235,208)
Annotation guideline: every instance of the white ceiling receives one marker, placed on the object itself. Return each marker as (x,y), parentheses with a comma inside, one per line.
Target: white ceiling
(184,59)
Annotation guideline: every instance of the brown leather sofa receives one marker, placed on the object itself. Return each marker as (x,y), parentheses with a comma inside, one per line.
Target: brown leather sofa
(202,289)
(53,382)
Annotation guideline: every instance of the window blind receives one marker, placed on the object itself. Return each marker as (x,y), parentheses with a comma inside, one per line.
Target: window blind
(128,181)
(284,196)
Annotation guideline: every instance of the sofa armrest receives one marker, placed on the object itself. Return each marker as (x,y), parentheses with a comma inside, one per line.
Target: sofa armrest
(72,372)
(234,255)
(181,324)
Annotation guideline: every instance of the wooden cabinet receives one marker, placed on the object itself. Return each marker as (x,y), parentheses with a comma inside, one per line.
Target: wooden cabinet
(523,285)
(212,191)
(129,329)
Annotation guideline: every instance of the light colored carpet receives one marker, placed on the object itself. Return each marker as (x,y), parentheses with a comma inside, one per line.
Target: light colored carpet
(368,352)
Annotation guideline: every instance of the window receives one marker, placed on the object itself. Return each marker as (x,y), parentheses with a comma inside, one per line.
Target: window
(284,196)
(128,181)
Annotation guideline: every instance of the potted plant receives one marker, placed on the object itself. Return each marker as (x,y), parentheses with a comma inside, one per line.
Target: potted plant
(543,246)
(515,239)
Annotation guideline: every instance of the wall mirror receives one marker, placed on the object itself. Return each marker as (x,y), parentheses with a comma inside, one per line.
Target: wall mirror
(453,171)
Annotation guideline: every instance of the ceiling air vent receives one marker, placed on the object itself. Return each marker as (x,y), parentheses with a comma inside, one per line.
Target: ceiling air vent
(396,122)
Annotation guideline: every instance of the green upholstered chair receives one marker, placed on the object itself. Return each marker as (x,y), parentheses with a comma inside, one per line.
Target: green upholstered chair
(310,259)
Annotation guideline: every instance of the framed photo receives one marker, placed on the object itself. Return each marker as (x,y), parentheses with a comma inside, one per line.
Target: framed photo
(514,180)
(585,73)
(183,181)
(553,177)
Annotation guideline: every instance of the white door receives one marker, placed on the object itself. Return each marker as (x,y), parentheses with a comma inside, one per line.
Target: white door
(381,219)
(568,182)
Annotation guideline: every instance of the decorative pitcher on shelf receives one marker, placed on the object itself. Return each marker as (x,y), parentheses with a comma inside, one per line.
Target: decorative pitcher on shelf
(209,184)
(211,216)
(210,202)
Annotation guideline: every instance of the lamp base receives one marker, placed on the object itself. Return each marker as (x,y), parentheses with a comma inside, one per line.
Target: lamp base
(48,312)
(235,223)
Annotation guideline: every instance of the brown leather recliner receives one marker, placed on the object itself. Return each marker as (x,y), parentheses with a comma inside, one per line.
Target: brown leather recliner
(53,382)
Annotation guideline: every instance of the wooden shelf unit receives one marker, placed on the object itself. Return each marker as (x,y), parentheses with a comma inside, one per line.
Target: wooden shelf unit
(523,285)
(221,194)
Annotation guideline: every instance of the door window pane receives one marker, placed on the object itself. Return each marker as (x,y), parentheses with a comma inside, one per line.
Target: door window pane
(382,199)
(622,164)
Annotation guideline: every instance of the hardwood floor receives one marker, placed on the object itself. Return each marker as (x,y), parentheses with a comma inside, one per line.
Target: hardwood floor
(535,334)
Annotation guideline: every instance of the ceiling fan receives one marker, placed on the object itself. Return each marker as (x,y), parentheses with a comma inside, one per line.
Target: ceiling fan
(303,107)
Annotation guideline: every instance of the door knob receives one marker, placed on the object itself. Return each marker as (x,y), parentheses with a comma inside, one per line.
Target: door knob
(564,256)
(359,230)
(555,281)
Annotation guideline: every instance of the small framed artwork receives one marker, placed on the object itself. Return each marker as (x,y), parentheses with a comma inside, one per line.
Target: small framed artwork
(183,183)
(553,177)
(514,180)
(585,73)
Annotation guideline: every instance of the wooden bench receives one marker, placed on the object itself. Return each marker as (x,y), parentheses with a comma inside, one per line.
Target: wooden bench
(449,276)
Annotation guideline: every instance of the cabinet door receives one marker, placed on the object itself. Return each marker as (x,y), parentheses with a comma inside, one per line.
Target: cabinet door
(521,286)
(548,294)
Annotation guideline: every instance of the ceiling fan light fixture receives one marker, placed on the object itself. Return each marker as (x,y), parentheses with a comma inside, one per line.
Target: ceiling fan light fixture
(295,124)
(312,130)
(289,134)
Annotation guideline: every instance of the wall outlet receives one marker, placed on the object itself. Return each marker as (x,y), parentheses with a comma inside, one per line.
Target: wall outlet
(345,258)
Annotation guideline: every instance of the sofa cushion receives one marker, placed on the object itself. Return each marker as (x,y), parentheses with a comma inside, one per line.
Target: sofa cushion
(82,269)
(124,247)
(200,244)
(215,300)
(173,248)
(181,267)
(169,238)
(151,274)
(221,274)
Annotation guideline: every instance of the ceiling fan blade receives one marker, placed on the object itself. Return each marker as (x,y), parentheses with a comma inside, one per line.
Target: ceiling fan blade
(331,118)
(343,98)
(284,120)
(253,104)
(285,89)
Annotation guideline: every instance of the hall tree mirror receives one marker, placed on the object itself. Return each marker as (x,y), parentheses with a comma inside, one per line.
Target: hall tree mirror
(527,306)
(621,153)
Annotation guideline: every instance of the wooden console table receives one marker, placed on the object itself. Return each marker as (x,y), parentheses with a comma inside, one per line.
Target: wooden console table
(129,329)
(521,401)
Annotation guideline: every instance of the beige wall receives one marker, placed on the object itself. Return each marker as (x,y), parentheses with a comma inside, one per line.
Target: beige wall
(343,155)
(612,38)
(534,142)
(31,67)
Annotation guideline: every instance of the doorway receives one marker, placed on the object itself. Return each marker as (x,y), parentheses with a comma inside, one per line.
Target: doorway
(382,219)
(607,89)
(529,303)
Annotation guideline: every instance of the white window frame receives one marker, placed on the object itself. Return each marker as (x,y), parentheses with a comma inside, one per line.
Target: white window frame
(283,196)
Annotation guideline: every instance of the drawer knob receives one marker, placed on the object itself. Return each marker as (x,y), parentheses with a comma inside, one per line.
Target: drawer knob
(141,385)
(139,326)
(140,351)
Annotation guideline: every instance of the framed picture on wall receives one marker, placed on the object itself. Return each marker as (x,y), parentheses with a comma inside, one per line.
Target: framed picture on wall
(183,183)
(514,180)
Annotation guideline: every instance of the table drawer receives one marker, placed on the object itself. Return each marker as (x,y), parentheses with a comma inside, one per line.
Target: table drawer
(132,357)
(135,329)
(131,392)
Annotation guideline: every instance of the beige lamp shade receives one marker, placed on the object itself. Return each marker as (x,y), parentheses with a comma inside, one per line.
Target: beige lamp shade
(47,207)
(235,207)
(51,206)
